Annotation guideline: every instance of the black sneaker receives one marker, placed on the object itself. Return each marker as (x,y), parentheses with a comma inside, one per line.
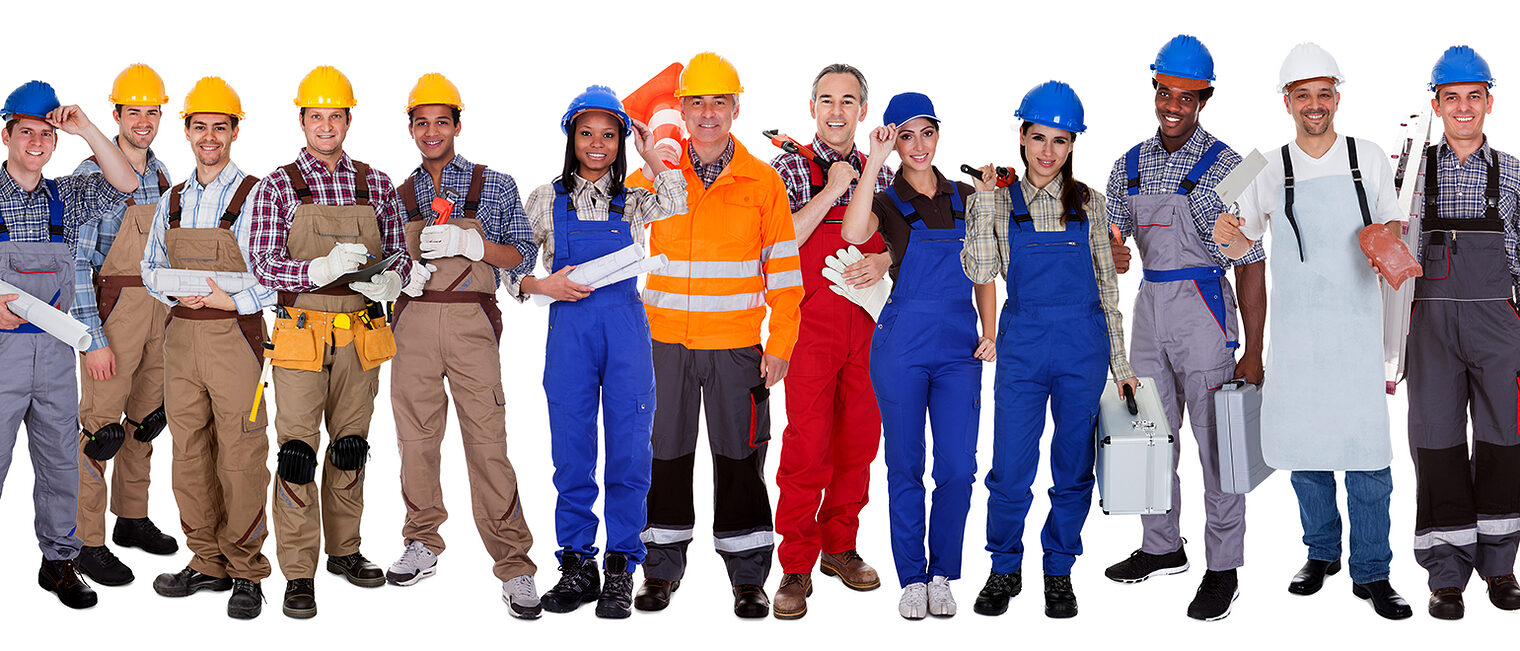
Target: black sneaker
(1142,565)
(1060,599)
(1215,596)
(300,599)
(247,599)
(616,599)
(143,534)
(579,583)
(102,566)
(993,599)
(62,578)
(187,582)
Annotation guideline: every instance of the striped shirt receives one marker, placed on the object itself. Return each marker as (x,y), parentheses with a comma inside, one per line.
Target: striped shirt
(201,206)
(709,172)
(274,204)
(96,238)
(986,253)
(591,201)
(797,172)
(500,212)
(1460,194)
(85,197)
(1161,172)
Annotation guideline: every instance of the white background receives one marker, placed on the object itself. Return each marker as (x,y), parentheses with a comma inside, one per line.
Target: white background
(518,67)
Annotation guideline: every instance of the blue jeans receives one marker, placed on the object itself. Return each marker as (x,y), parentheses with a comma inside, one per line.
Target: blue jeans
(1367,495)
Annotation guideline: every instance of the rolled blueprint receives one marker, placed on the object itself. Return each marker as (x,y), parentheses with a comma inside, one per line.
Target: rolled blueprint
(61,326)
(186,282)
(614,267)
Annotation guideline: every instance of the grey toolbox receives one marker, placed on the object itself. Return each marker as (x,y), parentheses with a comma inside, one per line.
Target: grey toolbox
(1134,452)
(1237,413)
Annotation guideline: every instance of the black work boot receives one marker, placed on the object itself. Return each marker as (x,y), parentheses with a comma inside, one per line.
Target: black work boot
(357,569)
(993,599)
(187,582)
(579,583)
(1503,591)
(300,599)
(143,534)
(102,566)
(1060,599)
(616,600)
(62,578)
(247,599)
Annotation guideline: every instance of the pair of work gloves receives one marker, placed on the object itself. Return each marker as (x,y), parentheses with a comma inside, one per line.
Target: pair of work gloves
(439,241)
(871,298)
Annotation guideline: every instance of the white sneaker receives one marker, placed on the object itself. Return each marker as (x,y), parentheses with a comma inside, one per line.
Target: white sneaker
(521,597)
(417,562)
(914,603)
(941,602)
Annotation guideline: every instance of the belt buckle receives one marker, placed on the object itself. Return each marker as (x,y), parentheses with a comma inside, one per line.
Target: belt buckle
(341,321)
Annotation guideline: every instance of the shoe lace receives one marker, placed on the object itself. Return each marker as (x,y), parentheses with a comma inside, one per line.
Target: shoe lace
(1500,580)
(1003,582)
(573,576)
(852,555)
(522,588)
(1447,592)
(790,579)
(1215,585)
(618,582)
(102,555)
(414,555)
(748,589)
(66,574)
(1059,586)
(147,527)
(246,585)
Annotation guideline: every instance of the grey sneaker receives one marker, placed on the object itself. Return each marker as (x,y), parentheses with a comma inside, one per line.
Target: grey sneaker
(417,562)
(914,602)
(521,597)
(941,601)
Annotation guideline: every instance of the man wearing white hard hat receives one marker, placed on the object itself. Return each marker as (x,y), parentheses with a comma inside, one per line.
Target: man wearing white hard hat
(1316,196)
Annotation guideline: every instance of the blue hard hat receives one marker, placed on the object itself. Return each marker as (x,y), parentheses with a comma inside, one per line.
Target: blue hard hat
(595,98)
(34,99)
(906,106)
(1460,64)
(1053,104)
(1185,57)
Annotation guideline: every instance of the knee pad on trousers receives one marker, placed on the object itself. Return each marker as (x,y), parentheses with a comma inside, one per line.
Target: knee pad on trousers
(105,442)
(296,462)
(151,426)
(349,453)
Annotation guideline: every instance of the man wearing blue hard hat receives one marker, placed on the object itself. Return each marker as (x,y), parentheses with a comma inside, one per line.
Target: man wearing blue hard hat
(1464,345)
(1185,329)
(39,224)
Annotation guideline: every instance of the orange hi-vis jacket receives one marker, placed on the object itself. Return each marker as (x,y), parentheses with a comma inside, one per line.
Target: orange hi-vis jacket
(731,254)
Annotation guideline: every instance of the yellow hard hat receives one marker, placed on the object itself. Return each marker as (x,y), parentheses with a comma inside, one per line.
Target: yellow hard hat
(212,95)
(434,88)
(138,85)
(325,87)
(708,74)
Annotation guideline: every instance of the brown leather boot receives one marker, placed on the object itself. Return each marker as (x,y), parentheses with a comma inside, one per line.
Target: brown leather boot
(791,597)
(851,569)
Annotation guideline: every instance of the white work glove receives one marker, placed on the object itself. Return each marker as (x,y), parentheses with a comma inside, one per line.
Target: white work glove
(420,275)
(872,298)
(446,240)
(343,258)
(381,287)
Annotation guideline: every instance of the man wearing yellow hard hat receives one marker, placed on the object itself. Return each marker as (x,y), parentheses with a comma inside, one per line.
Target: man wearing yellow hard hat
(213,348)
(124,366)
(315,220)
(732,254)
(453,330)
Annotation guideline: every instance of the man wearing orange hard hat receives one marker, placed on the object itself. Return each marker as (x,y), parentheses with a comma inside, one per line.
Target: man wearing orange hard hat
(733,253)
(459,258)
(121,406)
(213,350)
(315,221)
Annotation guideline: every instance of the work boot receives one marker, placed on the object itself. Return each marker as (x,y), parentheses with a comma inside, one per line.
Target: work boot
(247,599)
(143,534)
(1216,595)
(616,600)
(522,597)
(1385,602)
(1312,577)
(579,582)
(993,599)
(417,562)
(102,566)
(792,594)
(655,594)
(1446,603)
(187,582)
(914,602)
(300,599)
(750,601)
(357,569)
(1503,592)
(62,578)
(1142,565)
(851,569)
(1060,599)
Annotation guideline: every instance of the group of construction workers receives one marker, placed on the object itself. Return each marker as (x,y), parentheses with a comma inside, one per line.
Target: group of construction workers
(880,293)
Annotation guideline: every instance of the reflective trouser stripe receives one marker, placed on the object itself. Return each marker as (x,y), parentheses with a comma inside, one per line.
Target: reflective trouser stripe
(744,542)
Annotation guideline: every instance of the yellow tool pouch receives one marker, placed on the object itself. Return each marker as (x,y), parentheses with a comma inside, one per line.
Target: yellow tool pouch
(374,346)
(297,348)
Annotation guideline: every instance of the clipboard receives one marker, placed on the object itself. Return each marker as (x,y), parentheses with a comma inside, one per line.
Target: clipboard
(363,275)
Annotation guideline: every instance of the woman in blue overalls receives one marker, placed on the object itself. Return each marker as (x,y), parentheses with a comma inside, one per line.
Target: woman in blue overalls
(1059,334)
(924,356)
(598,348)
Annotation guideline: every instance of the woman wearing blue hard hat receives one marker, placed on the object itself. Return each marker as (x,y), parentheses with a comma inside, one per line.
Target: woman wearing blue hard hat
(924,355)
(1059,334)
(598,347)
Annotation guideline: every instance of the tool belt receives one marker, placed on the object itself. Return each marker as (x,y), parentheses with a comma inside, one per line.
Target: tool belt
(487,304)
(108,291)
(251,325)
(301,336)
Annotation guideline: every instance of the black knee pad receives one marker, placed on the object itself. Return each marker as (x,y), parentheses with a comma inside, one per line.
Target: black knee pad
(296,462)
(151,426)
(105,442)
(349,453)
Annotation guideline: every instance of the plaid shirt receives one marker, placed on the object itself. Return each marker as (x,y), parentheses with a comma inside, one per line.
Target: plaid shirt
(640,208)
(710,172)
(796,171)
(201,206)
(1460,194)
(986,253)
(500,212)
(1160,173)
(84,197)
(96,238)
(274,204)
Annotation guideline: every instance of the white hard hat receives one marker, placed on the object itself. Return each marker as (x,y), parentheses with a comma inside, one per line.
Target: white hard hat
(1308,61)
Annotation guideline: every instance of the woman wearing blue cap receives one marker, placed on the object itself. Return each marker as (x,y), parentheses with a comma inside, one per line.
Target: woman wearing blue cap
(1059,329)
(924,356)
(598,346)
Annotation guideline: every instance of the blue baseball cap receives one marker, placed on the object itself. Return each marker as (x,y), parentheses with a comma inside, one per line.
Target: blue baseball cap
(906,106)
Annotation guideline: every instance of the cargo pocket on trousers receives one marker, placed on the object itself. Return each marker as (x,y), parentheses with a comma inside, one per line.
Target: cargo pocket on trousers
(499,396)
(759,397)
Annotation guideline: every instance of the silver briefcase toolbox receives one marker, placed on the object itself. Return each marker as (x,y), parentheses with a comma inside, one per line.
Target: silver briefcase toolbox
(1237,413)
(1134,452)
